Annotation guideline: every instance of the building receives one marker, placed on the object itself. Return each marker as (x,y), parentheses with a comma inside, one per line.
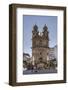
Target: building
(52,54)
(55,51)
(26,60)
(40,45)
(26,57)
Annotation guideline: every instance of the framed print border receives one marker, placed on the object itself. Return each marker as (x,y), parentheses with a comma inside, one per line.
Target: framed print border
(13,42)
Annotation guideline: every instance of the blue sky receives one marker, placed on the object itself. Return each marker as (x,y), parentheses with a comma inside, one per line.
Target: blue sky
(40,21)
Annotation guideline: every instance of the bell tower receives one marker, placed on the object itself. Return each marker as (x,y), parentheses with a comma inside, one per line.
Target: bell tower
(46,35)
(35,31)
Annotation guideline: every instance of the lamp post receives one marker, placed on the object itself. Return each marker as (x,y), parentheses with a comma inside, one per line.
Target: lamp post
(33,61)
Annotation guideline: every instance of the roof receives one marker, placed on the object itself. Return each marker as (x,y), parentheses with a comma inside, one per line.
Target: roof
(26,54)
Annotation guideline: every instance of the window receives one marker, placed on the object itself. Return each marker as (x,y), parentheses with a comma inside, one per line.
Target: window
(40,59)
(40,42)
(40,53)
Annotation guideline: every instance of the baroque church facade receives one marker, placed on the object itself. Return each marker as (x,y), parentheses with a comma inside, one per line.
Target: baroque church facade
(40,45)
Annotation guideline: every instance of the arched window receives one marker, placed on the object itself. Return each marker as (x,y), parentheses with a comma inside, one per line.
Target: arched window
(40,59)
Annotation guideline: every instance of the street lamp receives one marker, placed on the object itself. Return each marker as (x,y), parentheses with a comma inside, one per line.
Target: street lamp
(33,61)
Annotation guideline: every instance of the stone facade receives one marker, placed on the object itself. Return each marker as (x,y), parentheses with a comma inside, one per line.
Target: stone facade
(40,45)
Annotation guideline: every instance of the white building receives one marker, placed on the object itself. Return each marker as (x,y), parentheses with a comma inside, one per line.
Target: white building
(26,60)
(26,57)
(52,53)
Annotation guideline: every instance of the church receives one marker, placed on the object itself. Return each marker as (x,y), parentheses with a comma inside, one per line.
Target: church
(40,46)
